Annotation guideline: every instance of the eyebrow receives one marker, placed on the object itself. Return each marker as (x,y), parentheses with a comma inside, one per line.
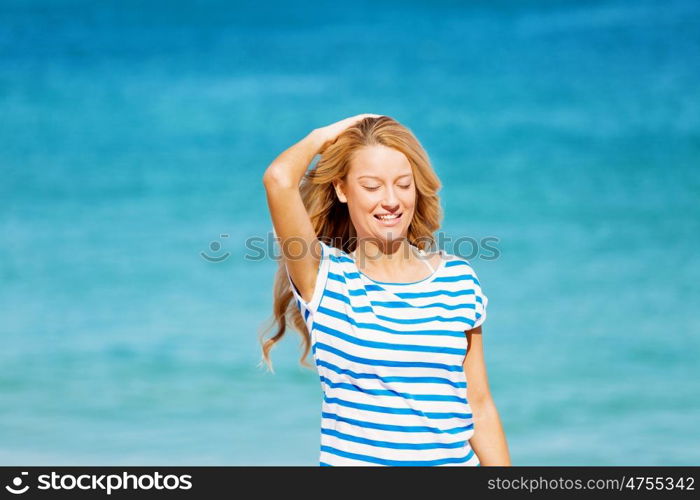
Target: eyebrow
(377,178)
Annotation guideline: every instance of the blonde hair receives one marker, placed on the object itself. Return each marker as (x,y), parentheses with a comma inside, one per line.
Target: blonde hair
(331,219)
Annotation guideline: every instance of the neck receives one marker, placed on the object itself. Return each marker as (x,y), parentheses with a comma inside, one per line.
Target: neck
(391,256)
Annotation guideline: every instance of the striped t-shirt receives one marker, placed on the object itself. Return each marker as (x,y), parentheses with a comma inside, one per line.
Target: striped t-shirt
(390,360)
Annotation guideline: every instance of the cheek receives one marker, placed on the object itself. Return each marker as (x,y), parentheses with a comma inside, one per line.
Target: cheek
(409,200)
(362,204)
(365,201)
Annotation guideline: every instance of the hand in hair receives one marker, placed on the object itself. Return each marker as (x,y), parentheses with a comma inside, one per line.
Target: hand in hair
(330,133)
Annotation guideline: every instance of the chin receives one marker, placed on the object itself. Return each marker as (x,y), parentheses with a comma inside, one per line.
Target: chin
(391,234)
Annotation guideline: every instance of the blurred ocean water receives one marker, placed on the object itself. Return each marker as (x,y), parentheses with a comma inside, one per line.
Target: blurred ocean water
(133,135)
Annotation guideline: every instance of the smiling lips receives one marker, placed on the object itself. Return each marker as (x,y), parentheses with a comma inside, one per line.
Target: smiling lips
(388,219)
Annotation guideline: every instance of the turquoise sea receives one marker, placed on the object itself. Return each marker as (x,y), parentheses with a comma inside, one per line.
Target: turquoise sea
(134,135)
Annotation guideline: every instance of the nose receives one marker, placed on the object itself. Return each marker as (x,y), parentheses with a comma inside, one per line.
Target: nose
(390,202)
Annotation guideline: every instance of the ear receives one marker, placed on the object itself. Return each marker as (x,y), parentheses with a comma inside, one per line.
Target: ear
(339,191)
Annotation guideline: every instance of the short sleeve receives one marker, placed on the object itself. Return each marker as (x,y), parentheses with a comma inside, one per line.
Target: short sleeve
(321,277)
(481,301)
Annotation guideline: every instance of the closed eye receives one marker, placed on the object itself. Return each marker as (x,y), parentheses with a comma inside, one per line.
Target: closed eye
(374,188)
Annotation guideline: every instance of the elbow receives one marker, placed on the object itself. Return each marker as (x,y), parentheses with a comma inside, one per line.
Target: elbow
(480,398)
(275,178)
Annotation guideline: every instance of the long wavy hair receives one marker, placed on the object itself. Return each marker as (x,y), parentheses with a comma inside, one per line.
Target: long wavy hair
(331,219)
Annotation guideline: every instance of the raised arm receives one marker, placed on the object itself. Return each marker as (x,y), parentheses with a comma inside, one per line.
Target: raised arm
(300,247)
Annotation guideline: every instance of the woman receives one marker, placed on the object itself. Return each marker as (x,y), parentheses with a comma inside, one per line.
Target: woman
(394,343)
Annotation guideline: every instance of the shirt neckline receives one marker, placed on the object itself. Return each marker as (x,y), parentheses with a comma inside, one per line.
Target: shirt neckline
(427,279)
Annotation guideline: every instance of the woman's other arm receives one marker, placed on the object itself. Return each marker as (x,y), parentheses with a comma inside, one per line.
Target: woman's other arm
(489,440)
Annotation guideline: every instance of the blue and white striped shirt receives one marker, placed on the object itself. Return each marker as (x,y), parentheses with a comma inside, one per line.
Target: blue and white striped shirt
(390,360)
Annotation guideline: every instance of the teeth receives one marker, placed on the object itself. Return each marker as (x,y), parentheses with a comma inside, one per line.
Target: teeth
(387,217)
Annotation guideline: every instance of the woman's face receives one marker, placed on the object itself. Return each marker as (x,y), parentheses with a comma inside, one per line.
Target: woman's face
(380,192)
